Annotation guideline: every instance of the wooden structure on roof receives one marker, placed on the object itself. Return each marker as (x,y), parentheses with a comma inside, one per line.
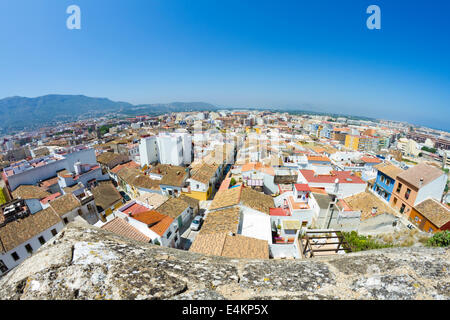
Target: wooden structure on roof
(316,243)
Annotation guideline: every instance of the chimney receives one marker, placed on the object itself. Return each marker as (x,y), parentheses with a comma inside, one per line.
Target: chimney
(420,183)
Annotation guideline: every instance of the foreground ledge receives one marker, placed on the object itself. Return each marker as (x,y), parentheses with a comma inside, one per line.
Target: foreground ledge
(84,262)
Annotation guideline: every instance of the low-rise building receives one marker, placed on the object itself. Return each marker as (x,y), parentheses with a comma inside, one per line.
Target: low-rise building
(23,233)
(431,216)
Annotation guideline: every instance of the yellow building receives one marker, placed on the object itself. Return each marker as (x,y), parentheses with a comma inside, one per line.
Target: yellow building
(352,142)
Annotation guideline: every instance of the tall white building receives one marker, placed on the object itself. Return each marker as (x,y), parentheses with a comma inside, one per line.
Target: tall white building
(166,148)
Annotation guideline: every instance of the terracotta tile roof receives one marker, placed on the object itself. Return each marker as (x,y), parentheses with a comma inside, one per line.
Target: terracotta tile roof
(318,158)
(136,178)
(278,212)
(225,220)
(108,157)
(237,246)
(258,166)
(365,201)
(343,176)
(150,218)
(226,198)
(49,182)
(51,198)
(72,188)
(389,169)
(153,199)
(257,200)
(124,229)
(65,204)
(193,203)
(209,243)
(434,211)
(204,173)
(161,227)
(172,207)
(319,190)
(17,232)
(171,175)
(302,187)
(134,209)
(106,195)
(30,192)
(130,164)
(371,159)
(420,171)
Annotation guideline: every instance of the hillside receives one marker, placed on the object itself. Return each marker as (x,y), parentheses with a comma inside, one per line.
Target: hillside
(17,113)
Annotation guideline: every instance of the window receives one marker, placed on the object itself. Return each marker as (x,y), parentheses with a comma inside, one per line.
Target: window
(402,208)
(80,212)
(169,234)
(29,248)
(3,267)
(430,230)
(407,193)
(399,187)
(54,232)
(41,240)
(395,201)
(15,256)
(66,221)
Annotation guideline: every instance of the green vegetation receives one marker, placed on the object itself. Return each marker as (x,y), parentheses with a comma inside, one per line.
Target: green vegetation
(360,243)
(232,182)
(440,239)
(2,197)
(105,129)
(432,150)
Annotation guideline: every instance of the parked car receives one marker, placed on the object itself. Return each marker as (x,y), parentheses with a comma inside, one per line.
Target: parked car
(196,223)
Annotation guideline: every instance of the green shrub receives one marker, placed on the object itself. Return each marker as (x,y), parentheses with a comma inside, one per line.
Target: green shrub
(440,239)
(232,182)
(360,243)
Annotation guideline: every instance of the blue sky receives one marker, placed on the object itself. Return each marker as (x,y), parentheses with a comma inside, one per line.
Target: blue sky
(315,55)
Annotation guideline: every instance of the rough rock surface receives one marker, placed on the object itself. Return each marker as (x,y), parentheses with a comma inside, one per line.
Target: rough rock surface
(85,262)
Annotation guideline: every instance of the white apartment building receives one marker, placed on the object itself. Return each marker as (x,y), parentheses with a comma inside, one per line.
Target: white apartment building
(33,171)
(166,148)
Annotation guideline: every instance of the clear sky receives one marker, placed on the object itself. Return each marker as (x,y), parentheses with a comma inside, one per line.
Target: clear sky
(315,55)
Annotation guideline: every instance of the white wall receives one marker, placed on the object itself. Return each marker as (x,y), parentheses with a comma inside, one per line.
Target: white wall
(434,190)
(35,244)
(148,151)
(33,176)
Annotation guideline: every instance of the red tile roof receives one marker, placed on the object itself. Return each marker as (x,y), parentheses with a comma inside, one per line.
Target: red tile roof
(279,212)
(318,158)
(370,160)
(343,176)
(161,227)
(302,187)
(50,198)
(130,164)
(149,217)
(135,209)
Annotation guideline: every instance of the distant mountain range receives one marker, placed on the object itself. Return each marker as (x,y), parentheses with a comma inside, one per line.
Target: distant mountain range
(17,113)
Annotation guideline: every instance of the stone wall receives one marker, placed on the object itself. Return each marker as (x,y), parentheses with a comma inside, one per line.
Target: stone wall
(84,262)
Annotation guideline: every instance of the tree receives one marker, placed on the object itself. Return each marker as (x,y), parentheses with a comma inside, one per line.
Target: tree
(232,182)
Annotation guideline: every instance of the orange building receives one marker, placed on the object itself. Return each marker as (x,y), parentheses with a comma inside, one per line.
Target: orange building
(416,184)
(431,216)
